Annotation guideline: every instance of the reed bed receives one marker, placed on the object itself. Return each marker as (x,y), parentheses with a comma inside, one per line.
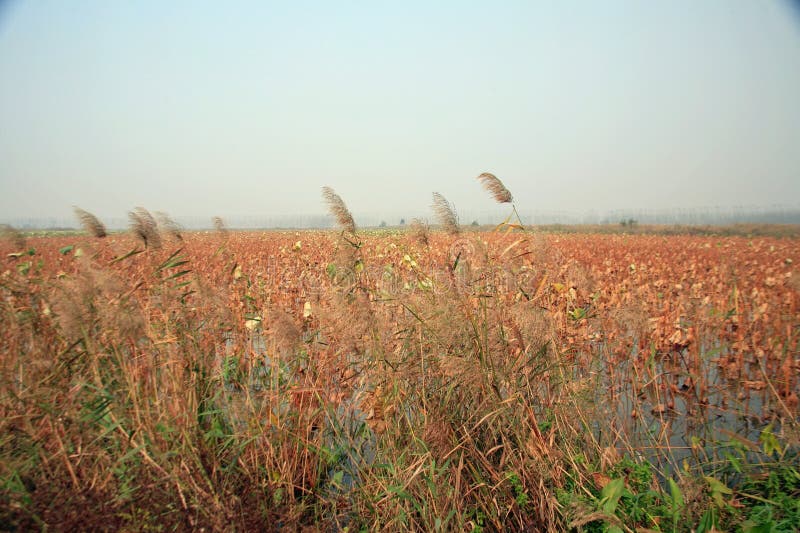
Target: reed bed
(435,380)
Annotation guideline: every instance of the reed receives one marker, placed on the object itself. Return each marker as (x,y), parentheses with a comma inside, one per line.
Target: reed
(219,225)
(419,231)
(13,235)
(91,224)
(496,188)
(309,381)
(446,214)
(169,226)
(144,227)
(338,209)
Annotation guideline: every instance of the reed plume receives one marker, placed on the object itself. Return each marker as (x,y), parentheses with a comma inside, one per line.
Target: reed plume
(284,331)
(496,188)
(144,226)
(419,231)
(446,214)
(339,210)
(172,228)
(91,224)
(219,225)
(11,233)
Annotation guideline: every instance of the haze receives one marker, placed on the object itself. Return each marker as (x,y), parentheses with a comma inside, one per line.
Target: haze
(249,108)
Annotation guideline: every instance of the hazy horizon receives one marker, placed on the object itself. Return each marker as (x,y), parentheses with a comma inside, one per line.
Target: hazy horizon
(247,109)
(716,216)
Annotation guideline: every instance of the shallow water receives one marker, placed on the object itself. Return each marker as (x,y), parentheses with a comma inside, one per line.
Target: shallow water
(670,419)
(675,418)
(350,442)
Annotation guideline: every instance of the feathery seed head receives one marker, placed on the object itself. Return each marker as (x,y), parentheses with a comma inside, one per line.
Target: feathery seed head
(219,224)
(144,226)
(496,188)
(90,223)
(419,231)
(172,228)
(339,210)
(445,213)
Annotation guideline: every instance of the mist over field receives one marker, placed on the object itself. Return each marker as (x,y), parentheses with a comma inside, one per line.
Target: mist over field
(247,109)
(704,216)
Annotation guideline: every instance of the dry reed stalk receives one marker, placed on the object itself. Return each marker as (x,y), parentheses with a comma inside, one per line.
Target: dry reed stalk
(91,299)
(219,225)
(496,188)
(90,223)
(419,231)
(339,210)
(11,233)
(144,226)
(446,214)
(172,228)
(284,330)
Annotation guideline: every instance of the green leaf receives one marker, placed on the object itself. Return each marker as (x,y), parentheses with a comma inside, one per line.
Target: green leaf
(133,252)
(677,502)
(769,441)
(177,274)
(718,488)
(578,313)
(766,527)
(708,522)
(611,494)
(330,270)
(734,461)
(185,294)
(172,261)
(455,263)
(675,493)
(66,249)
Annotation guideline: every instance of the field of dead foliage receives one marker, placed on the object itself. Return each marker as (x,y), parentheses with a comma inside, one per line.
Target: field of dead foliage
(414,380)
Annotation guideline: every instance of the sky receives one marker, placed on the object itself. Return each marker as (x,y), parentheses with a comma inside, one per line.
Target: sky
(249,108)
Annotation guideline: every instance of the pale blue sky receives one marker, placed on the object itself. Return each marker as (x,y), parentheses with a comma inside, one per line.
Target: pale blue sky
(248,108)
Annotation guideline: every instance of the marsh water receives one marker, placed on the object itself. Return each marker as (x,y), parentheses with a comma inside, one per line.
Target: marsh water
(678,419)
(673,420)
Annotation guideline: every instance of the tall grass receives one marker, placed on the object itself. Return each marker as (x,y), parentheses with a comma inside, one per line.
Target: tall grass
(91,223)
(446,214)
(245,387)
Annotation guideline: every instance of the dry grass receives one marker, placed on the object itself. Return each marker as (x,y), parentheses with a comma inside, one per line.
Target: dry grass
(144,227)
(339,210)
(169,226)
(446,214)
(219,225)
(188,389)
(13,235)
(419,231)
(496,188)
(91,224)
